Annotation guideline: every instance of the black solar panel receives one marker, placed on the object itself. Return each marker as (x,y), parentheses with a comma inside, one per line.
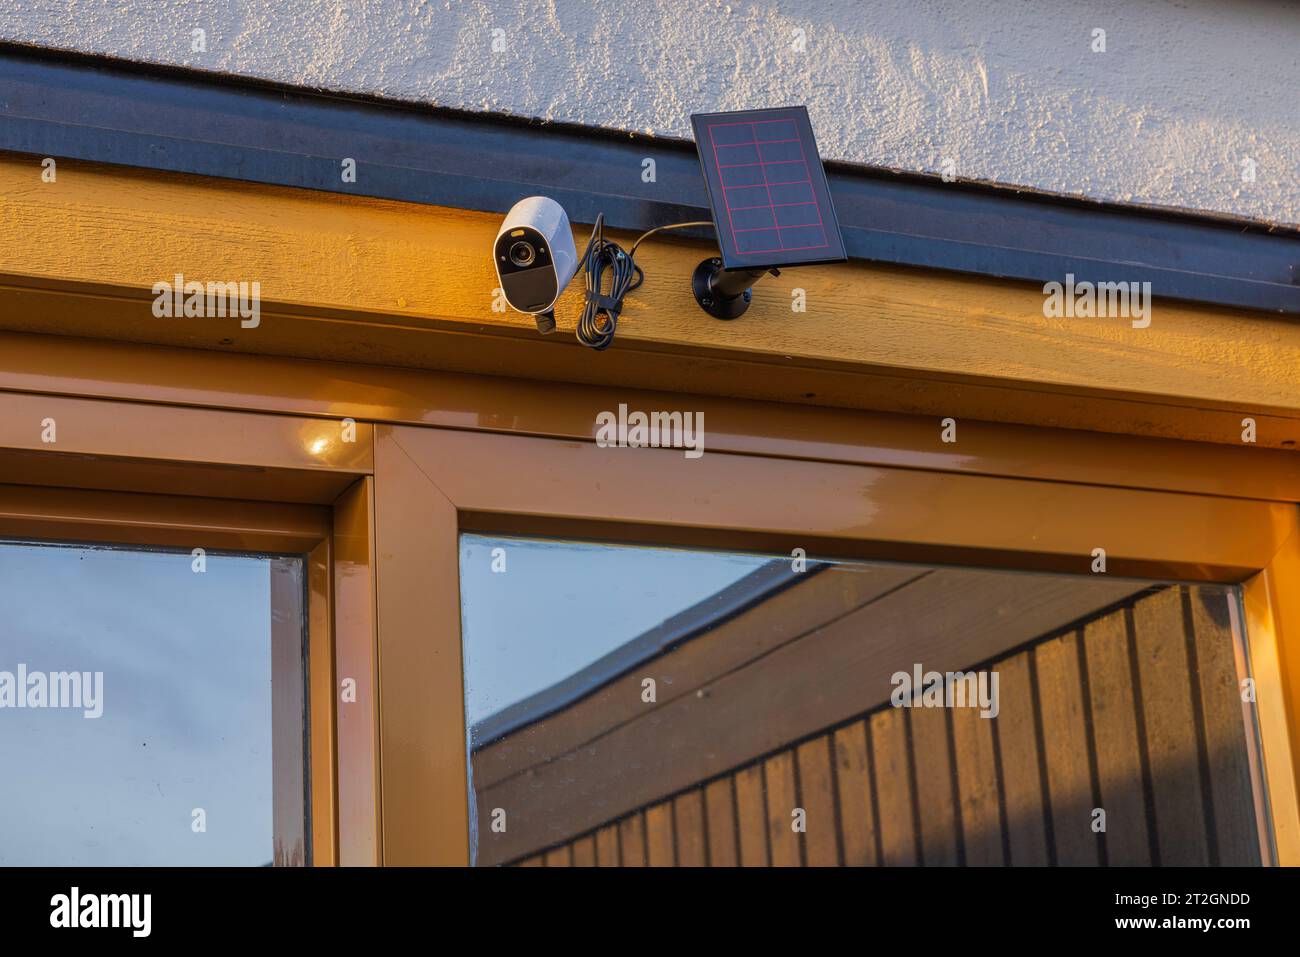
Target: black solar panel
(767,188)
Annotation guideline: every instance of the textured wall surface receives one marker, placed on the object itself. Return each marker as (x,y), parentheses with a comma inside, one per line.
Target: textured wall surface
(1188,96)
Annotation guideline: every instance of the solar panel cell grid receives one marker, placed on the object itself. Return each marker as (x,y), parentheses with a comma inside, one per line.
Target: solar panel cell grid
(764,179)
(766,186)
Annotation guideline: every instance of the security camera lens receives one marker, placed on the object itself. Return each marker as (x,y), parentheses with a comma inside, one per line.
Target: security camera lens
(522,254)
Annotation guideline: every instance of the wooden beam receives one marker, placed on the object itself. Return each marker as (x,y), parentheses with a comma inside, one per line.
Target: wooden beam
(61,365)
(51,440)
(381,282)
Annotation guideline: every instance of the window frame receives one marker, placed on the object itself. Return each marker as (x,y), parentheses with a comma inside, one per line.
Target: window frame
(98,483)
(380,520)
(438,483)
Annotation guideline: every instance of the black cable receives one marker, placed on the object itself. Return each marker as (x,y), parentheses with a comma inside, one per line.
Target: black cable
(600,311)
(648,233)
(599,319)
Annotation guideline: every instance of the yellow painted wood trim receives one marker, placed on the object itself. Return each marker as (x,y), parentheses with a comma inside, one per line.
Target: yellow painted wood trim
(62,366)
(1272,609)
(359,799)
(394,283)
(154,432)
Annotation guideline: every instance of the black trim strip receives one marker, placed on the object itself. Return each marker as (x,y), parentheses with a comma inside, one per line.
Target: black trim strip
(105,111)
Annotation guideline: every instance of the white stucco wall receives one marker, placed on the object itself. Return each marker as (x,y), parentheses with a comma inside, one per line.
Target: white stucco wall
(1010,90)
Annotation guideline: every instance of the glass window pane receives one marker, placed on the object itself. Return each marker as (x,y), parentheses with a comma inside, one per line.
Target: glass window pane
(631,705)
(136,697)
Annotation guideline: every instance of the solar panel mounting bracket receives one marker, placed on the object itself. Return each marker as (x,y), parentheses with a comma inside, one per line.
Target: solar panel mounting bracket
(722,294)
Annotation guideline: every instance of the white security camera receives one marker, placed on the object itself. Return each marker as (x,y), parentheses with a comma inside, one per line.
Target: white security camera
(535,257)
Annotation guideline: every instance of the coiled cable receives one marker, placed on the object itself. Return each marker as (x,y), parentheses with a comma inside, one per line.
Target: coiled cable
(600,311)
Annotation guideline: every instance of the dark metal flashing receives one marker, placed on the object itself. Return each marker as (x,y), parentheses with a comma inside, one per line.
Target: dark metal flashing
(697,620)
(69,106)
